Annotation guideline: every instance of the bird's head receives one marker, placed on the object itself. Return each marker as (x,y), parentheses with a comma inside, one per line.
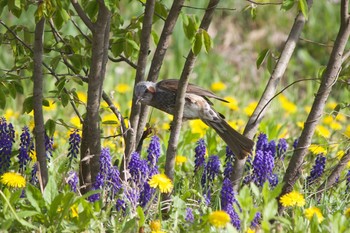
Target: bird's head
(144,92)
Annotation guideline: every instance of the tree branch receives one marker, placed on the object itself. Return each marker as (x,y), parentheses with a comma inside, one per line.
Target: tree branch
(270,90)
(140,75)
(82,15)
(39,129)
(158,58)
(180,97)
(329,78)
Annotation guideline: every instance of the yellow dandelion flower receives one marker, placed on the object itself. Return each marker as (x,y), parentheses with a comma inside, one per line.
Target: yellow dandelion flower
(307,109)
(250,108)
(13,179)
(323,131)
(198,127)
(32,155)
(218,86)
(110,118)
(155,225)
(74,209)
(300,124)
(75,121)
(293,198)
(52,106)
(219,218)
(347,212)
(236,124)
(310,212)
(166,126)
(9,113)
(82,96)
(180,159)
(335,126)
(250,230)
(232,103)
(340,117)
(328,120)
(162,182)
(331,105)
(287,105)
(122,88)
(31,113)
(340,154)
(347,131)
(316,149)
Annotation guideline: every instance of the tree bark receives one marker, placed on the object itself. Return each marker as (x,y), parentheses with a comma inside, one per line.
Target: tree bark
(91,142)
(180,97)
(329,78)
(39,129)
(158,59)
(270,90)
(140,75)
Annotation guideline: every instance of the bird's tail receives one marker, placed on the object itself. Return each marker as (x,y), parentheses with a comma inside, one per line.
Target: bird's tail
(240,145)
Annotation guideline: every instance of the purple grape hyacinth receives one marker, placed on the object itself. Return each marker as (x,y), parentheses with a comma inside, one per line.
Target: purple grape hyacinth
(211,170)
(199,155)
(189,215)
(73,180)
(7,138)
(74,145)
(26,147)
(107,178)
(317,169)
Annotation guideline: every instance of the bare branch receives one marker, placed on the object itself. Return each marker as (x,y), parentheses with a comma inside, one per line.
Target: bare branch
(264,3)
(158,58)
(203,8)
(344,12)
(180,97)
(270,90)
(124,59)
(329,78)
(140,75)
(82,15)
(39,129)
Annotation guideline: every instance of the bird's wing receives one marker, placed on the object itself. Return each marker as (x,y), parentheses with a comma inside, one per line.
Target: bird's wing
(172,85)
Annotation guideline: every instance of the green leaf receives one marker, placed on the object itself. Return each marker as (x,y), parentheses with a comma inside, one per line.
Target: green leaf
(261,57)
(50,127)
(155,37)
(118,47)
(46,103)
(190,27)
(130,226)
(208,44)
(141,215)
(64,99)
(50,191)
(304,8)
(197,43)
(28,104)
(2,99)
(34,197)
(287,4)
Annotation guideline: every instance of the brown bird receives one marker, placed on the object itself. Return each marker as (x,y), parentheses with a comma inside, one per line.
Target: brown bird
(162,95)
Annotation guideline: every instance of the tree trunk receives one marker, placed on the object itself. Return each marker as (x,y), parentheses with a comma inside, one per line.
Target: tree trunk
(270,90)
(39,129)
(91,142)
(329,78)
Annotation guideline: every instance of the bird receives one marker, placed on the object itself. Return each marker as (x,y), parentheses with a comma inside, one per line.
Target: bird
(162,96)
